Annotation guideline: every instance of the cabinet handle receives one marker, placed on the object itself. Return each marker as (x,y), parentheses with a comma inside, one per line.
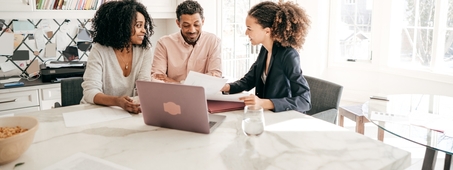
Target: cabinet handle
(7,101)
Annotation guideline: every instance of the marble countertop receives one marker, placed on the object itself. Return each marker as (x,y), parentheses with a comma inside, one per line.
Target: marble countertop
(291,141)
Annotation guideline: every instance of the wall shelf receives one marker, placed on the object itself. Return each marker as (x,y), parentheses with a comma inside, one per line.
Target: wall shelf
(14,9)
(67,14)
(48,14)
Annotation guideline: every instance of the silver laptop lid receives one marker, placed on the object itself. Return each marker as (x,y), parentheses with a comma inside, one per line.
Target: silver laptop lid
(174,106)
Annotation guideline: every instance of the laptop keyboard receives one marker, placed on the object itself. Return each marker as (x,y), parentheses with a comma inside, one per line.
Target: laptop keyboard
(211,123)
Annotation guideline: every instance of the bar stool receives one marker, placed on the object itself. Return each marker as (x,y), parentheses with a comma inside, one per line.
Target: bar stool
(355,114)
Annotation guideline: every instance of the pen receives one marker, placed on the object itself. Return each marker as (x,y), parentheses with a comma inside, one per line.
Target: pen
(13,84)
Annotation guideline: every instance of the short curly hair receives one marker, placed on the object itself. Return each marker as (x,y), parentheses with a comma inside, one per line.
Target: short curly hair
(189,7)
(112,24)
(289,22)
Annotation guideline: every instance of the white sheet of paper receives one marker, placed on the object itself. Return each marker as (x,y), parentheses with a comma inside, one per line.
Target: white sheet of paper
(39,39)
(228,98)
(58,65)
(62,39)
(7,44)
(84,161)
(86,117)
(8,66)
(211,84)
(10,80)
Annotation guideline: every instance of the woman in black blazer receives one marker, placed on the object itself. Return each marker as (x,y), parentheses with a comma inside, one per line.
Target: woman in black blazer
(281,29)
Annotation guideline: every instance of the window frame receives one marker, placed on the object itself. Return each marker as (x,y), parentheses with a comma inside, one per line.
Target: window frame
(382,27)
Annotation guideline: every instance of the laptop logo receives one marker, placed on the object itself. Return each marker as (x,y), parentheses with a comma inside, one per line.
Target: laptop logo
(172,108)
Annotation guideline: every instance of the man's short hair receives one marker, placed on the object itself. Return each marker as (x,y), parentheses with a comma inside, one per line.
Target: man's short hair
(189,7)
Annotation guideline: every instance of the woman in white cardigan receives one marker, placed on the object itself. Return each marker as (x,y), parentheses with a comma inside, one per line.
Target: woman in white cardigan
(120,55)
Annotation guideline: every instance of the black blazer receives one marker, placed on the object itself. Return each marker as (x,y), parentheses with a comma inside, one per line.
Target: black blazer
(285,86)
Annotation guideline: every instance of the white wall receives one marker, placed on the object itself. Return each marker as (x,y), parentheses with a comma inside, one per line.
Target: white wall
(163,27)
(314,52)
(210,15)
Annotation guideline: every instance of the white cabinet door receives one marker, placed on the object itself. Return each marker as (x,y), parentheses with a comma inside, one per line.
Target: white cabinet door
(19,99)
(161,8)
(155,6)
(49,96)
(49,104)
(17,111)
(15,5)
(50,93)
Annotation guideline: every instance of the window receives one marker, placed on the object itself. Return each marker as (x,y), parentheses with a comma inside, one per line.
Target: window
(238,54)
(426,35)
(353,30)
(236,59)
(409,34)
(447,62)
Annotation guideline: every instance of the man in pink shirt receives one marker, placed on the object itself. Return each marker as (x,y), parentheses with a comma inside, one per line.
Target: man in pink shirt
(191,49)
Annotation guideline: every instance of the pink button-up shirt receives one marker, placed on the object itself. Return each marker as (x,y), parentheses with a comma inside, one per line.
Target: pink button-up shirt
(175,57)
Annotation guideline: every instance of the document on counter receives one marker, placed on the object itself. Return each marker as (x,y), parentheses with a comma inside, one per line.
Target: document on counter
(84,161)
(210,84)
(7,66)
(10,80)
(91,116)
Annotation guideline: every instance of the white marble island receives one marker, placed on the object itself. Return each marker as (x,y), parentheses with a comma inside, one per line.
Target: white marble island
(291,141)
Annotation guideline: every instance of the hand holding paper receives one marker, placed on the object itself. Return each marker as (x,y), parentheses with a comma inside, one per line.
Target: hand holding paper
(210,84)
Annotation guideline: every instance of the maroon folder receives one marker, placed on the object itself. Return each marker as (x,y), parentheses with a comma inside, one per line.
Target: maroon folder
(224,106)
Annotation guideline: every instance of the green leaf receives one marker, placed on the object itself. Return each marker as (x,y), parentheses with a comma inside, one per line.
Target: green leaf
(19,164)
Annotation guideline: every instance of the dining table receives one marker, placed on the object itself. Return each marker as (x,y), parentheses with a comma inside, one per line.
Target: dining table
(423,119)
(291,140)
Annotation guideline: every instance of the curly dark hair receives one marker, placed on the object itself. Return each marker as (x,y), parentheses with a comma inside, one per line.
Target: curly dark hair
(189,7)
(112,24)
(289,22)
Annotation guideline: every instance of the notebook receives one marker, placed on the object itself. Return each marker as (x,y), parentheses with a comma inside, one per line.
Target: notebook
(176,106)
(224,106)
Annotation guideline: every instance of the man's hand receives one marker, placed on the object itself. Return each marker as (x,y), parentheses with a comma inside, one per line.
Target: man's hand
(164,78)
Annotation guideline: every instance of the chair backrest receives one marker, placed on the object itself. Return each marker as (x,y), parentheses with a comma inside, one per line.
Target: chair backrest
(71,91)
(325,95)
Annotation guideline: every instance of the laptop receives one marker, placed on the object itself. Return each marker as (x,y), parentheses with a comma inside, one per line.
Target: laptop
(176,106)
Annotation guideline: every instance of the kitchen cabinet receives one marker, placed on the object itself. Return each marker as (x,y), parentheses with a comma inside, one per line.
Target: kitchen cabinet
(29,98)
